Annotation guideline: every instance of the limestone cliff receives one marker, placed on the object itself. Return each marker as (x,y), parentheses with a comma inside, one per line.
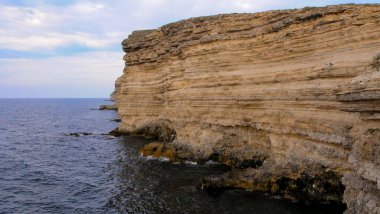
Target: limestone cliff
(290,99)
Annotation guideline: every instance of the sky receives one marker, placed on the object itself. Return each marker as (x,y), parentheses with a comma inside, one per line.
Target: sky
(71,48)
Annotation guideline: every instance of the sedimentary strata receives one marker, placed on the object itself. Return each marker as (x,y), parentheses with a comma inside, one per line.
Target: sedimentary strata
(290,99)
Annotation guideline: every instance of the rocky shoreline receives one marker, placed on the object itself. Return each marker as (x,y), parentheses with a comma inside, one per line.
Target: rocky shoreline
(290,100)
(108,107)
(305,185)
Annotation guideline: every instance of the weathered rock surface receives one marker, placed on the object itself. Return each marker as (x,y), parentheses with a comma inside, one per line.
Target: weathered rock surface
(296,92)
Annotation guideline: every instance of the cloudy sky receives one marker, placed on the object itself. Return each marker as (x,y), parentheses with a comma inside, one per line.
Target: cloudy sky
(71,48)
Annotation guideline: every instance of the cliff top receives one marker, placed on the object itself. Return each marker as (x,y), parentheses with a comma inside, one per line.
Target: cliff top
(171,38)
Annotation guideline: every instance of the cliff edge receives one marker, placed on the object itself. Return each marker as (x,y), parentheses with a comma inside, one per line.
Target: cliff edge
(290,99)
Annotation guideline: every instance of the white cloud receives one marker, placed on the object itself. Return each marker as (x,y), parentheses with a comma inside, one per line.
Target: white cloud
(53,40)
(244,6)
(34,17)
(51,27)
(87,7)
(89,70)
(24,16)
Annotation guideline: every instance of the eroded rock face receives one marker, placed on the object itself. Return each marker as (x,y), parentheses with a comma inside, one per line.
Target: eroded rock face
(313,184)
(289,91)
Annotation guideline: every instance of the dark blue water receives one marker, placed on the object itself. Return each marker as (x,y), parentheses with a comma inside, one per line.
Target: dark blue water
(45,170)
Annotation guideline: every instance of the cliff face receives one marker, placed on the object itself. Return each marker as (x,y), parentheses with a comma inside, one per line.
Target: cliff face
(283,96)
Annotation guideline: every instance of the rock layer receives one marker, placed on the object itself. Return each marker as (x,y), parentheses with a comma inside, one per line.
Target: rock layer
(297,91)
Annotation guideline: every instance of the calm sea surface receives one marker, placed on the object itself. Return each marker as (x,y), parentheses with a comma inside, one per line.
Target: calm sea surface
(45,170)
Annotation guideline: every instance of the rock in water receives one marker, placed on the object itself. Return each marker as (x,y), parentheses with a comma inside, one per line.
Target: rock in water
(115,133)
(108,107)
(78,134)
(116,120)
(291,97)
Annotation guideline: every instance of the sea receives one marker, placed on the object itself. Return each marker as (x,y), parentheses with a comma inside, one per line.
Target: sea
(56,157)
